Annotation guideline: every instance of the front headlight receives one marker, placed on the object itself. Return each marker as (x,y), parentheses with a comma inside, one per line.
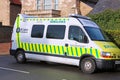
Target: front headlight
(106,54)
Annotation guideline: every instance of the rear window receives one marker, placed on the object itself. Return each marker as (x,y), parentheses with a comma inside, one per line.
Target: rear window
(56,31)
(37,31)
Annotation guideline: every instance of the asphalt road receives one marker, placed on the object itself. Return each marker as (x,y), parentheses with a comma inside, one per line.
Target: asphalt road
(34,70)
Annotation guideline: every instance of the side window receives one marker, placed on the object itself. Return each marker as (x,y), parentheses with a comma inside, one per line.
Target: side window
(56,31)
(37,31)
(76,33)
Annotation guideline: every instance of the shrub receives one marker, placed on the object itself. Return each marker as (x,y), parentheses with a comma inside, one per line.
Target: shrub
(109,21)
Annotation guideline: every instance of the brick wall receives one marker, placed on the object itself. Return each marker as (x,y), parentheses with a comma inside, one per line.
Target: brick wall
(4,12)
(5,33)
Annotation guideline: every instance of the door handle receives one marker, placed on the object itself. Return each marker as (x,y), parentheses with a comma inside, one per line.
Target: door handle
(66,45)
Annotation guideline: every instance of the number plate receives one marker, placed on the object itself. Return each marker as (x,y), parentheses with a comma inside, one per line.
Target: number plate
(117,62)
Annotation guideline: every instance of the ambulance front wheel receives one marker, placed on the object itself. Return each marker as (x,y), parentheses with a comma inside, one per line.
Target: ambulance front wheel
(88,65)
(20,56)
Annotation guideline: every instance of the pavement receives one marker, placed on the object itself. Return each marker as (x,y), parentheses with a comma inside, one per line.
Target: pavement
(4,48)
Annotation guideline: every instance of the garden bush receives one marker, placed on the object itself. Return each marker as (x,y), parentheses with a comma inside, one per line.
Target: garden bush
(109,21)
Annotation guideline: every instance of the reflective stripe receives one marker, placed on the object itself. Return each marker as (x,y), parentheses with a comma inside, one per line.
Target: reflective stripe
(69,51)
(57,50)
(79,52)
(27,46)
(96,53)
(37,45)
(49,51)
(53,49)
(41,48)
(76,51)
(17,33)
(60,50)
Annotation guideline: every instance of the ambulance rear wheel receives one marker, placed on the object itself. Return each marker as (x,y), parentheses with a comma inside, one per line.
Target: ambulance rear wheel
(88,65)
(20,56)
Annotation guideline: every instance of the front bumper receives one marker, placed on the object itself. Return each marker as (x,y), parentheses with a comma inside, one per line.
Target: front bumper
(106,64)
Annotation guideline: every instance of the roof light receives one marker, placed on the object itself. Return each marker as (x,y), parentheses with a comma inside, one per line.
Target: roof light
(79,16)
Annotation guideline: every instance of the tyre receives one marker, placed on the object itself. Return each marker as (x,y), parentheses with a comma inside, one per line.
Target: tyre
(20,57)
(88,65)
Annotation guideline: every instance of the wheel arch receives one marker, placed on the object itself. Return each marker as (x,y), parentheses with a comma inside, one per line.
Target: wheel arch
(85,56)
(18,50)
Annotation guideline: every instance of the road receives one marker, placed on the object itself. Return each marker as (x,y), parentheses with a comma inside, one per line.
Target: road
(34,70)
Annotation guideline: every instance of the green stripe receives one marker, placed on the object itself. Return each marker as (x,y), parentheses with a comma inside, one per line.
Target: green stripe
(67,51)
(43,47)
(36,48)
(54,49)
(72,51)
(32,47)
(63,49)
(91,51)
(29,46)
(39,47)
(59,49)
(50,49)
(85,50)
(47,48)
(76,51)
(97,53)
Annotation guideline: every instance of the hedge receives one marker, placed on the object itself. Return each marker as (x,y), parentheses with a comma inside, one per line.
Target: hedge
(109,21)
(114,35)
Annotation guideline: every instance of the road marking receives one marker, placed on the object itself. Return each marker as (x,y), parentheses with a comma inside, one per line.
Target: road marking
(20,71)
(64,79)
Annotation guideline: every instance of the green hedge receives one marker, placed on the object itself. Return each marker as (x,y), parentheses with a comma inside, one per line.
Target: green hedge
(114,35)
(109,21)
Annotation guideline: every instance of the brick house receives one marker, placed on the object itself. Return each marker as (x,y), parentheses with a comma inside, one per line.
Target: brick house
(8,11)
(56,8)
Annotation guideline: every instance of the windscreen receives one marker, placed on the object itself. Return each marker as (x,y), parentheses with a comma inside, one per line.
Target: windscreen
(93,30)
(96,34)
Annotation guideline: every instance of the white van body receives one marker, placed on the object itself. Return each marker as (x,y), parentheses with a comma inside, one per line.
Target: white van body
(61,40)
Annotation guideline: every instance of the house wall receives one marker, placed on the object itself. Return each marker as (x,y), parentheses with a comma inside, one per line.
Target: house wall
(66,7)
(5,12)
(28,5)
(14,11)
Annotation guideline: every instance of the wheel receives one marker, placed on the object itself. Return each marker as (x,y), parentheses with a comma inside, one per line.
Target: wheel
(88,65)
(20,57)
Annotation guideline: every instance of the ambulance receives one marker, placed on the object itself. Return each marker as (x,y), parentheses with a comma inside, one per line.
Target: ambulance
(74,40)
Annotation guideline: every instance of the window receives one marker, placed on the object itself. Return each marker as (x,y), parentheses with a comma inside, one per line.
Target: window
(56,31)
(56,4)
(38,4)
(76,33)
(47,4)
(37,31)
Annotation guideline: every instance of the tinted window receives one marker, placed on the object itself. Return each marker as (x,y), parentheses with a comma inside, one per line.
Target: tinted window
(37,31)
(76,33)
(56,31)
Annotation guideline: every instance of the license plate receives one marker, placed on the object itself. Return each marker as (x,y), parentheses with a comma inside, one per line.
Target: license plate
(117,62)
